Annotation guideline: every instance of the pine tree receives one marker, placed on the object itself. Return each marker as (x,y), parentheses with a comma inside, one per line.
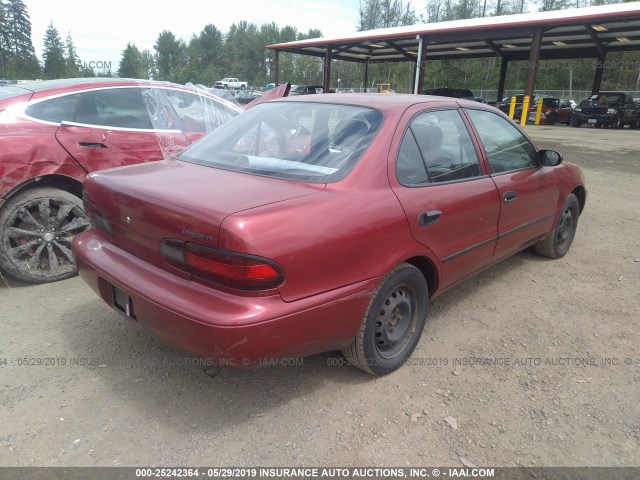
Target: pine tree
(53,54)
(72,60)
(170,56)
(131,63)
(18,55)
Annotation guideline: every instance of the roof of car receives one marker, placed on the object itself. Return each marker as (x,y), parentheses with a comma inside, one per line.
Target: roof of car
(70,83)
(377,100)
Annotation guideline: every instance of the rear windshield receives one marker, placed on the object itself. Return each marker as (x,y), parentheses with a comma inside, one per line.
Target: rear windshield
(310,142)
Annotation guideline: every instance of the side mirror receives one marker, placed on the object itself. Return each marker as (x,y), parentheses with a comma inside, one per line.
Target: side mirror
(550,158)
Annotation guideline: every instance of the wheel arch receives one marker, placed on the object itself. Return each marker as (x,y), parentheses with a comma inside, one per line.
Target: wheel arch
(581,195)
(61,182)
(428,270)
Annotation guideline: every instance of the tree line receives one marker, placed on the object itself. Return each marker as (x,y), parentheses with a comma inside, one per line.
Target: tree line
(212,54)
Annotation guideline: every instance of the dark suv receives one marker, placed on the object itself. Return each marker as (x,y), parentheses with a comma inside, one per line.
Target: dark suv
(609,109)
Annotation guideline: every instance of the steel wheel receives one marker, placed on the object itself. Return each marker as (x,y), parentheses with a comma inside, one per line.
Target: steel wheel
(393,322)
(37,228)
(396,321)
(557,244)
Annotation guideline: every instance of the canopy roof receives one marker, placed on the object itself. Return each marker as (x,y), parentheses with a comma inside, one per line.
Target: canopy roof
(574,33)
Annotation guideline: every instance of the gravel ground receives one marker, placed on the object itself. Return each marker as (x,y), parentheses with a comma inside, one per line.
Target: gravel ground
(534,362)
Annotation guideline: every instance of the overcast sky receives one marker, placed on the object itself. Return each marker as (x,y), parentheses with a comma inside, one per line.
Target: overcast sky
(102,29)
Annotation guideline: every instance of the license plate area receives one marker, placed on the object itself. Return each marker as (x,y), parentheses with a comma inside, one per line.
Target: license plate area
(592,121)
(123,302)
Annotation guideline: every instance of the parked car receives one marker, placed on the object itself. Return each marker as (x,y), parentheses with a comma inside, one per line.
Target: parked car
(505,105)
(247,96)
(231,82)
(53,133)
(608,109)
(554,110)
(316,223)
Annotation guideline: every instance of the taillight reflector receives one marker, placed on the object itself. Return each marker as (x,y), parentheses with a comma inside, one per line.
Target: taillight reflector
(247,272)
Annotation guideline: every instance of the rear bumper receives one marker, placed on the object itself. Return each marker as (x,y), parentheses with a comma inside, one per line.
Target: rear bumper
(231,330)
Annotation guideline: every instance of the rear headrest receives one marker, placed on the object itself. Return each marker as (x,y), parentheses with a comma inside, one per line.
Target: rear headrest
(349,129)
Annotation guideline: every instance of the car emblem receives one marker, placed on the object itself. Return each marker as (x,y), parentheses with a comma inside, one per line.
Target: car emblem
(128,220)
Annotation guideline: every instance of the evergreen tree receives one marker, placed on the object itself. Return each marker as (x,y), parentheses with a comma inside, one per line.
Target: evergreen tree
(18,55)
(55,64)
(170,56)
(131,63)
(148,65)
(73,66)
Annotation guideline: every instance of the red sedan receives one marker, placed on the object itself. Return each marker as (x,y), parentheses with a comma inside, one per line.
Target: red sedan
(317,223)
(52,133)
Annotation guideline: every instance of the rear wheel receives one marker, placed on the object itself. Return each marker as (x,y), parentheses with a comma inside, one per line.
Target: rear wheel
(36,231)
(557,244)
(393,322)
(574,121)
(636,123)
(551,119)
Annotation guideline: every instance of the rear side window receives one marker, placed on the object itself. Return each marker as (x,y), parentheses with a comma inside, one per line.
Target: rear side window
(506,148)
(55,110)
(114,107)
(437,148)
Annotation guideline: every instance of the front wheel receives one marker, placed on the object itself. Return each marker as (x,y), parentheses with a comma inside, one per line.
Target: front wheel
(574,121)
(393,322)
(551,119)
(36,231)
(557,244)
(616,123)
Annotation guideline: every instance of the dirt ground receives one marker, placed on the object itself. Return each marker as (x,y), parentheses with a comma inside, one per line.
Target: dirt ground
(535,362)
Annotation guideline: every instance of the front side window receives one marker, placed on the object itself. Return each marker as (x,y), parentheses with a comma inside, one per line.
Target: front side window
(311,142)
(437,148)
(114,107)
(506,148)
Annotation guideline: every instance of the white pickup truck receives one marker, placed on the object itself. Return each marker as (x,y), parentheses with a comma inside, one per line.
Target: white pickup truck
(231,83)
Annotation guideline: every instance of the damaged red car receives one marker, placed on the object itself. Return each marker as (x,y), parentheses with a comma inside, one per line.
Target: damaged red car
(53,133)
(322,222)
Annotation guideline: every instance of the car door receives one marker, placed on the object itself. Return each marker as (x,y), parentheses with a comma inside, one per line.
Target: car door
(451,204)
(113,127)
(528,193)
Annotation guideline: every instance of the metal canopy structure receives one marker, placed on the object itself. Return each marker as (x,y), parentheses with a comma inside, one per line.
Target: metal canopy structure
(577,33)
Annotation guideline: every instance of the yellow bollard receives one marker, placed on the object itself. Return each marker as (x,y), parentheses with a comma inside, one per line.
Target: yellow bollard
(512,107)
(539,111)
(525,110)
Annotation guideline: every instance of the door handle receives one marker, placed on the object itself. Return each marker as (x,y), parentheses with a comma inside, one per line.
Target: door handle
(509,197)
(92,145)
(428,218)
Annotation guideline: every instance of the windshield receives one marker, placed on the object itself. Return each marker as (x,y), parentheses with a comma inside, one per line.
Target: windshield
(608,98)
(311,142)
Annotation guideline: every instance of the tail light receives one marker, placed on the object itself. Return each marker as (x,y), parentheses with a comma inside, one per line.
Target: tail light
(236,270)
(98,219)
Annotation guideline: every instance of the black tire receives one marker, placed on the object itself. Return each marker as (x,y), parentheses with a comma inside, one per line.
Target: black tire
(598,125)
(36,230)
(574,121)
(557,244)
(551,119)
(616,123)
(636,123)
(393,322)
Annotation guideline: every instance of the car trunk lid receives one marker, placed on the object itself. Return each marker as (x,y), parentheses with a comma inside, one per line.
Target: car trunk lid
(171,199)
